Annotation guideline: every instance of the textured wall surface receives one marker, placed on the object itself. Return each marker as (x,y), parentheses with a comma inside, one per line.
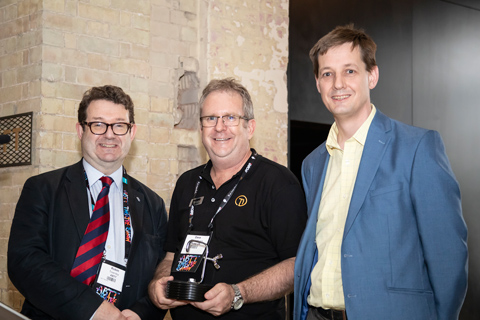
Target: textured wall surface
(51,51)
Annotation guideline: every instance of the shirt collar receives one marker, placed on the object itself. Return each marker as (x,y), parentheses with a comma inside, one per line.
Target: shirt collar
(205,173)
(94,175)
(360,136)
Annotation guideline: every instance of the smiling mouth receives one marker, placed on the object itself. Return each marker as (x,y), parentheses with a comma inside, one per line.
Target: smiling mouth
(345,96)
(108,145)
(221,139)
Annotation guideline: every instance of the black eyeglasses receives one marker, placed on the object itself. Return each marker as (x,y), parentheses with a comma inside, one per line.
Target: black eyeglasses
(229,120)
(99,128)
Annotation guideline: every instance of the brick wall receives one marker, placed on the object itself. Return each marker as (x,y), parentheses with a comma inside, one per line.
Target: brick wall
(51,51)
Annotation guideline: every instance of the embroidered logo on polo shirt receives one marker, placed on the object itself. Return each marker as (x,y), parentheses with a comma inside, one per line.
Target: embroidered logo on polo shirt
(241,201)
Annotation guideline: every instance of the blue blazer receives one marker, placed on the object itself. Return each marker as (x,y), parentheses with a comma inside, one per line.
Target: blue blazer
(404,252)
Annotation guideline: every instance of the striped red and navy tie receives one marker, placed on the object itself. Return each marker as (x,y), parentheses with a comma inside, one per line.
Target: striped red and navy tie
(91,248)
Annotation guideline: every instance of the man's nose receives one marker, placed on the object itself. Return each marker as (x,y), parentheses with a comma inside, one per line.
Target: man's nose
(220,126)
(339,82)
(109,133)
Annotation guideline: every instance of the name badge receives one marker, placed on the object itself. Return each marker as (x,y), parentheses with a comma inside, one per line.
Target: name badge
(109,281)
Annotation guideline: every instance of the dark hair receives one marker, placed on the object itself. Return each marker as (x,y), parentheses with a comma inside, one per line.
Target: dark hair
(341,35)
(229,85)
(109,93)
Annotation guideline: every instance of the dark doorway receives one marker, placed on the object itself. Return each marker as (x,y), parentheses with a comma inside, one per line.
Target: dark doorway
(304,138)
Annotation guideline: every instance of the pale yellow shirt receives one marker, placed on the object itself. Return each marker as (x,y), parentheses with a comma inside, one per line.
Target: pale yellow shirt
(327,288)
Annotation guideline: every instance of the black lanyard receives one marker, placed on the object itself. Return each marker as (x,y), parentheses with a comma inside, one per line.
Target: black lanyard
(126,211)
(225,200)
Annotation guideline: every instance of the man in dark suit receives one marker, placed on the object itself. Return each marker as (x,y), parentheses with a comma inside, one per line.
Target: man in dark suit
(50,259)
(385,237)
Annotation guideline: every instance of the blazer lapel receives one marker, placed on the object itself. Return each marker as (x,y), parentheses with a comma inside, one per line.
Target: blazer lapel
(75,189)
(318,179)
(378,139)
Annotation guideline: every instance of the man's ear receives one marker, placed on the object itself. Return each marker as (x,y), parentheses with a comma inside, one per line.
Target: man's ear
(80,130)
(133,131)
(373,78)
(251,125)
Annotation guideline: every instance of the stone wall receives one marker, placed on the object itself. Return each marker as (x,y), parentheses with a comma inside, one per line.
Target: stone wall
(162,53)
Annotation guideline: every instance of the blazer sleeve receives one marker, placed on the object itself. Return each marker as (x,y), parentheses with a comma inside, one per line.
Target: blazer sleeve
(31,267)
(436,198)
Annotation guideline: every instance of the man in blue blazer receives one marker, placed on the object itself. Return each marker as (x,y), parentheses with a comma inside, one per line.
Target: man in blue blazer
(385,237)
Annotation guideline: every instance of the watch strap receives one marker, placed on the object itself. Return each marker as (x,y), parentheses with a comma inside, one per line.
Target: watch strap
(237,297)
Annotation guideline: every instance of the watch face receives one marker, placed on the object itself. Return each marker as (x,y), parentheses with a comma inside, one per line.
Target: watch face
(238,304)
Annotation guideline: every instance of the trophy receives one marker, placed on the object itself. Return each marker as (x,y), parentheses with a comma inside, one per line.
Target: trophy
(192,290)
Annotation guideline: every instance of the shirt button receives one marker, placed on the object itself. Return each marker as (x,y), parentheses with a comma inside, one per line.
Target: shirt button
(213,187)
(213,200)
(109,247)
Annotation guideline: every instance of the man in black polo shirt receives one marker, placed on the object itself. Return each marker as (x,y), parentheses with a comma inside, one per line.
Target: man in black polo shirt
(251,210)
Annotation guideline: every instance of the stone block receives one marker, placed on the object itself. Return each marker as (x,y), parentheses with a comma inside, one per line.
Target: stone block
(99,13)
(130,66)
(139,6)
(162,59)
(161,14)
(9,78)
(160,104)
(10,94)
(125,19)
(166,30)
(159,134)
(139,52)
(10,61)
(98,61)
(141,22)
(139,85)
(97,45)
(26,8)
(131,35)
(159,166)
(98,29)
(54,5)
(52,72)
(71,142)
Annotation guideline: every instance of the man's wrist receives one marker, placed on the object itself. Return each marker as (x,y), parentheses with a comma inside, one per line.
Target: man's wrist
(237,302)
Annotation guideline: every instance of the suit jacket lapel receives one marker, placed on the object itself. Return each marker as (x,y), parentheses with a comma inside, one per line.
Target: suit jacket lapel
(378,139)
(318,176)
(75,189)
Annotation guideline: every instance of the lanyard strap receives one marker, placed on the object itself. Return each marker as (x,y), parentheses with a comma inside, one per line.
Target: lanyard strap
(126,211)
(225,200)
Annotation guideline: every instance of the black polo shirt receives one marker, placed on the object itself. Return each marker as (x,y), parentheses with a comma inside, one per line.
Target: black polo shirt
(259,227)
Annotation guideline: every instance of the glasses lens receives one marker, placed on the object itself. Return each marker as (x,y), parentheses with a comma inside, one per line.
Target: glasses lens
(209,121)
(120,128)
(231,120)
(98,127)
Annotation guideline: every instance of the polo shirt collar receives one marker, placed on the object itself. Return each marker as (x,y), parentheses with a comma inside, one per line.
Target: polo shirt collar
(205,173)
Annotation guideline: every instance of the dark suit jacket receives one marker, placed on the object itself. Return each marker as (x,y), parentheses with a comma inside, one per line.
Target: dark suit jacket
(50,220)
(404,251)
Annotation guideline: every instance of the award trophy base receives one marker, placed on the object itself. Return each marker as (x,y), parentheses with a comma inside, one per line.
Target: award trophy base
(187,290)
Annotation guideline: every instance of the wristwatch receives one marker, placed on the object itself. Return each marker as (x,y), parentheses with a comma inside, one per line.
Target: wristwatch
(237,302)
